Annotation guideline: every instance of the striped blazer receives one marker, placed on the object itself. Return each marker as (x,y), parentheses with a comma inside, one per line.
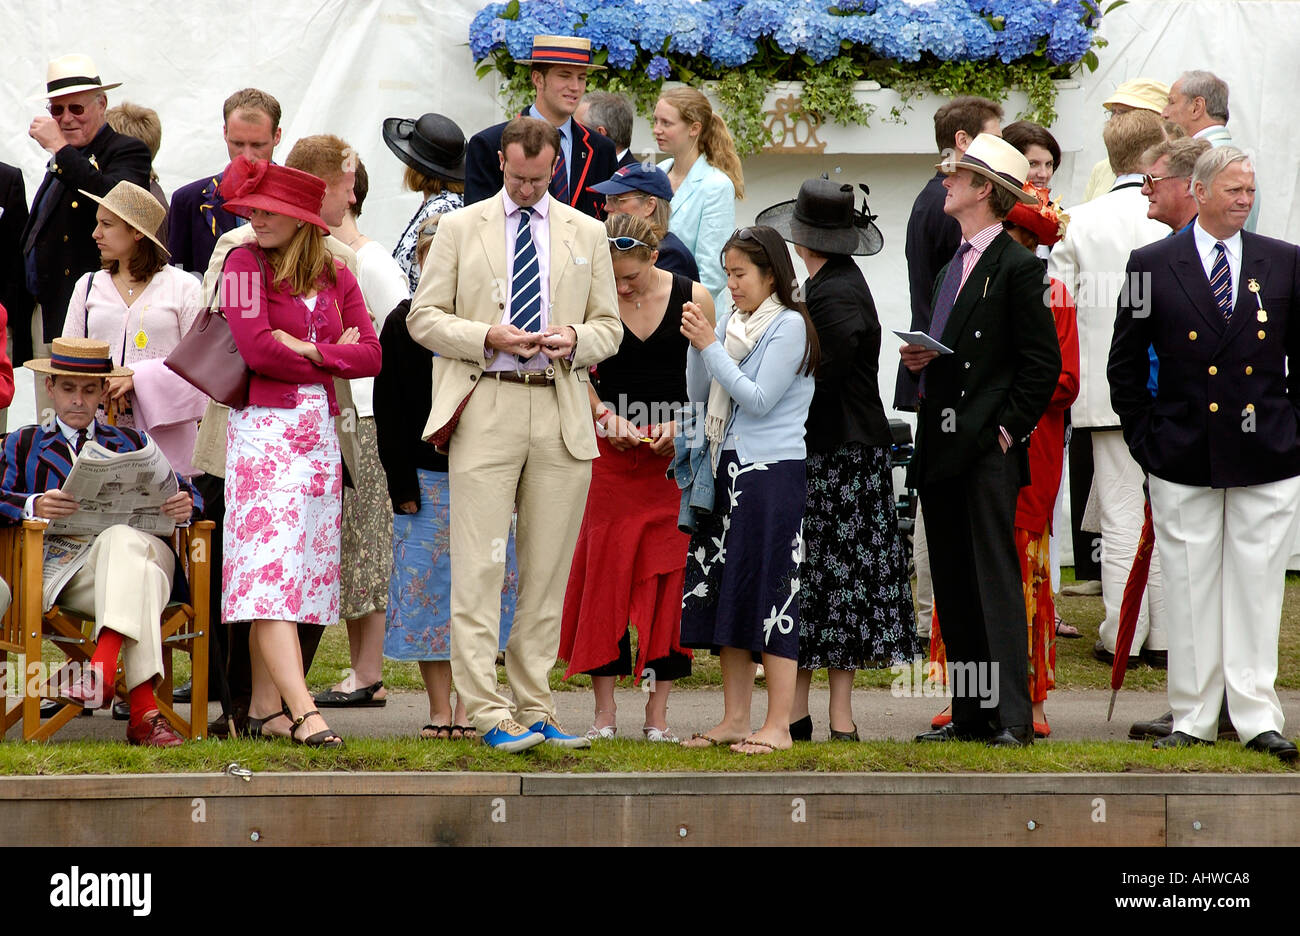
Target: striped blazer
(35,460)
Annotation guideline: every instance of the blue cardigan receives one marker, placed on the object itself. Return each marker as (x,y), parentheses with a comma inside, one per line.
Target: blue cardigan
(704,217)
(769,396)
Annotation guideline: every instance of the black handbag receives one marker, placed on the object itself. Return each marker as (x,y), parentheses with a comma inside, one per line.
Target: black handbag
(207,355)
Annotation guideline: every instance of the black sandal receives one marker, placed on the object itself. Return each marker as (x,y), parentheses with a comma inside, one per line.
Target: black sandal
(357,698)
(253,726)
(467,732)
(437,732)
(321,739)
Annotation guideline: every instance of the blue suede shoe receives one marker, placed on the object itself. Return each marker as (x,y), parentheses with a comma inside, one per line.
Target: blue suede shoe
(510,736)
(549,730)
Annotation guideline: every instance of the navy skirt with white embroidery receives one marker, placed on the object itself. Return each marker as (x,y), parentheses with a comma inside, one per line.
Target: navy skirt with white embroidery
(742,570)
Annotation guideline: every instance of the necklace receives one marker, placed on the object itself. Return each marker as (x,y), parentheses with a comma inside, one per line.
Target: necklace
(651,288)
(354,240)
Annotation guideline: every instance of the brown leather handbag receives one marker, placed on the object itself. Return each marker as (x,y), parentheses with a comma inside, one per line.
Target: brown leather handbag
(207,355)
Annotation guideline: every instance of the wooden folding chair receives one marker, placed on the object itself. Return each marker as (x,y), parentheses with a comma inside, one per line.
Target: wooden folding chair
(185,627)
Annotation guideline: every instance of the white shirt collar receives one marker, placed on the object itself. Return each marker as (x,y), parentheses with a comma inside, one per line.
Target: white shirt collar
(1205,242)
(70,435)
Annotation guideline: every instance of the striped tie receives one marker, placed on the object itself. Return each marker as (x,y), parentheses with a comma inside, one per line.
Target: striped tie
(525,285)
(1221,281)
(560,180)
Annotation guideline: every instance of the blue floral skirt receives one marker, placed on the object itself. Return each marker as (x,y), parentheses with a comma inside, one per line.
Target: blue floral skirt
(419,593)
(856,603)
(742,571)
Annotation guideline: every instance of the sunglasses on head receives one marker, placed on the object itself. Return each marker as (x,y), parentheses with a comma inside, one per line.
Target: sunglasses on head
(745,233)
(56,110)
(627,243)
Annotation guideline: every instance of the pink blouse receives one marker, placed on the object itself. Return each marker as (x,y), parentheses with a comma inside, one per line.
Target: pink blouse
(254,310)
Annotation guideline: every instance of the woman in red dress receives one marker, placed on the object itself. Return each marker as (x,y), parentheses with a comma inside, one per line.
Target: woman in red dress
(629,566)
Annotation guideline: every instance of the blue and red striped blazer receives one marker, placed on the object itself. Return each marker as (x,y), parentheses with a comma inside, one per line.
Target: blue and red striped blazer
(35,460)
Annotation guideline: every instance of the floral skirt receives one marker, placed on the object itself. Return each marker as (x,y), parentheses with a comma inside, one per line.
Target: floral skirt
(855,606)
(742,568)
(284,490)
(419,593)
(367,541)
(1040,611)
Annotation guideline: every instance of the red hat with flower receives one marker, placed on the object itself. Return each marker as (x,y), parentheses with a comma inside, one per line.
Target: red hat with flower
(1044,219)
(248,184)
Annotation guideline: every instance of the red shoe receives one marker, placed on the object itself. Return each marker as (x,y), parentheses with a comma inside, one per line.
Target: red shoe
(91,690)
(153,731)
(1042,729)
(940,720)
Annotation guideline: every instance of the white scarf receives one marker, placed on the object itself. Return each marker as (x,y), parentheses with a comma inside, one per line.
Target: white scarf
(744,329)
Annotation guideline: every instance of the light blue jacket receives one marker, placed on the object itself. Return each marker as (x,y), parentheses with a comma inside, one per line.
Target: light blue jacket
(704,217)
(769,394)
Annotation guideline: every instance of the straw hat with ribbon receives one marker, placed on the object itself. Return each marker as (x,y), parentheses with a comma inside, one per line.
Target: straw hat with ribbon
(72,74)
(136,207)
(996,160)
(78,357)
(560,50)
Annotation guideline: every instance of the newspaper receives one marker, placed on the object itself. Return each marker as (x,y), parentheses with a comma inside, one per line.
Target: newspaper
(111,488)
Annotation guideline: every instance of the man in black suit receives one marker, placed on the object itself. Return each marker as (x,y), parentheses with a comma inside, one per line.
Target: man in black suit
(13,286)
(611,116)
(978,406)
(559,73)
(1219,446)
(86,153)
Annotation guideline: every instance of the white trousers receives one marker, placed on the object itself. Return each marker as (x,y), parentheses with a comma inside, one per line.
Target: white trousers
(1225,573)
(1117,480)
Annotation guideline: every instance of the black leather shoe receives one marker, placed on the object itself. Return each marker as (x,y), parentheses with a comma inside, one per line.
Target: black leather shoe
(1150,730)
(954,732)
(1270,742)
(801,730)
(1099,652)
(181,694)
(121,711)
(1156,659)
(1177,739)
(1014,736)
(50,706)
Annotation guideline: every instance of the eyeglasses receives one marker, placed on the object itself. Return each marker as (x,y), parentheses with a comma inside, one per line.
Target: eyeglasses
(628,243)
(56,110)
(615,199)
(1149,181)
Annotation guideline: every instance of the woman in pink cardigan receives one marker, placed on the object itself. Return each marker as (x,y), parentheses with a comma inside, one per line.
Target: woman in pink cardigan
(299,321)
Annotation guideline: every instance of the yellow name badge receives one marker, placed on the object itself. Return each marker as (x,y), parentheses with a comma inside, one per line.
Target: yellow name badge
(141,339)
(1253,285)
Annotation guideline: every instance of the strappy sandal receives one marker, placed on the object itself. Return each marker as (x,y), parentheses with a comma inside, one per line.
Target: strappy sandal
(432,732)
(712,741)
(321,739)
(357,698)
(467,733)
(253,726)
(660,736)
(599,734)
(771,748)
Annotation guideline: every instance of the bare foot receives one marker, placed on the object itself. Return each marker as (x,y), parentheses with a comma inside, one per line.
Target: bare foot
(763,742)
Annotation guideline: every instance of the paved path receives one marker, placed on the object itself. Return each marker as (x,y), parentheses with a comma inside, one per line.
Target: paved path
(1075,715)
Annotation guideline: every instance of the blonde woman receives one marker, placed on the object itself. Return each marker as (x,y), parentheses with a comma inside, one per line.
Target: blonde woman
(705,174)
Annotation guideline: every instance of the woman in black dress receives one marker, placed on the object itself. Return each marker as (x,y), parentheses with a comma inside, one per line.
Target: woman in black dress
(856,608)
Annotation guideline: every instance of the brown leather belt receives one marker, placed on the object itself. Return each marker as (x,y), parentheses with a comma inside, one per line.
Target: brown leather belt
(527,378)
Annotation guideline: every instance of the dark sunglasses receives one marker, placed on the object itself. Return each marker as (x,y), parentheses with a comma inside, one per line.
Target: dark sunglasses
(627,243)
(745,233)
(56,110)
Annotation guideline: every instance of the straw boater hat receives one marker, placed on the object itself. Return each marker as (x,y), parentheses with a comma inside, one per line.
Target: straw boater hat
(996,160)
(1140,93)
(78,357)
(246,185)
(822,218)
(560,50)
(434,145)
(136,207)
(71,74)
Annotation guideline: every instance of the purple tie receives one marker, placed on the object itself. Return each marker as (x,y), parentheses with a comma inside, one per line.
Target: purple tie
(947,297)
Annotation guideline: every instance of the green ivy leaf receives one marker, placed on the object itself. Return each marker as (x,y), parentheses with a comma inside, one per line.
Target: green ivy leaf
(1114,6)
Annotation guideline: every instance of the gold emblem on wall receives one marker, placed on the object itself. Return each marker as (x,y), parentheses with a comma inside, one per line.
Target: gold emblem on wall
(791,130)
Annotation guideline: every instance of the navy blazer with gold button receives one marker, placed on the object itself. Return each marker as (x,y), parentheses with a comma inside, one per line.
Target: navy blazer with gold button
(1225,413)
(1004,367)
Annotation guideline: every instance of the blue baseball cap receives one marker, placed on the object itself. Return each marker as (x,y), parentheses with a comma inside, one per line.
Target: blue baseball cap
(638,177)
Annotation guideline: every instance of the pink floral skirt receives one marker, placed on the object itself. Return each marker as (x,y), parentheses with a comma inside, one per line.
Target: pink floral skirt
(284,497)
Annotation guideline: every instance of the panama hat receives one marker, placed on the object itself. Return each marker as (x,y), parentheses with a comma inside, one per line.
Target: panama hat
(72,74)
(78,357)
(136,207)
(1140,93)
(434,145)
(822,218)
(560,50)
(996,160)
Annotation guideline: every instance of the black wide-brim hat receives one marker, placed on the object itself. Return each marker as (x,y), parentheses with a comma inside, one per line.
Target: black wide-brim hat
(433,145)
(823,219)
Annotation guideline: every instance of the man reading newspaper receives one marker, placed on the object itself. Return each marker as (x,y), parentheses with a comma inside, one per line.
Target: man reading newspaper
(109,566)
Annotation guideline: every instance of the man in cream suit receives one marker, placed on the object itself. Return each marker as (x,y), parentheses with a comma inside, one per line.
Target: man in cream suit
(1090,260)
(517,299)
